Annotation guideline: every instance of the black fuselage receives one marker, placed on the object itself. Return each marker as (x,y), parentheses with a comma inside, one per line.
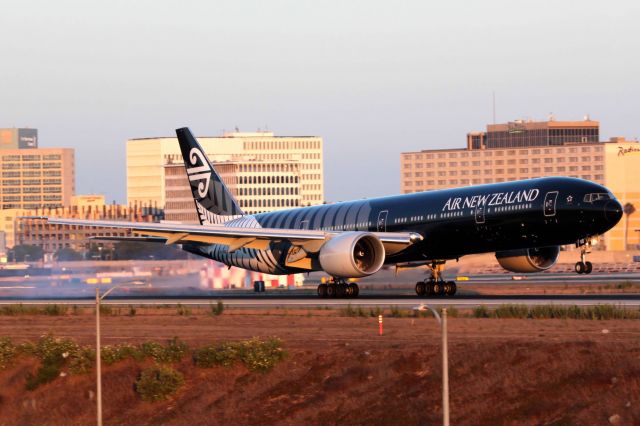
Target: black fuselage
(497,217)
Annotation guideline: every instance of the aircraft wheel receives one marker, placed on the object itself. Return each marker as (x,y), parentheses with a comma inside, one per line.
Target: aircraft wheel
(322,290)
(332,290)
(438,288)
(454,288)
(588,267)
(355,290)
(580,267)
(341,290)
(429,289)
(450,288)
(421,288)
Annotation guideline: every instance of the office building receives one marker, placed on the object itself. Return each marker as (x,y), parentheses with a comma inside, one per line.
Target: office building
(258,186)
(147,157)
(36,177)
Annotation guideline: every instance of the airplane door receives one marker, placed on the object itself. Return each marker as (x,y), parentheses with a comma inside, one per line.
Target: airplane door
(550,203)
(382,221)
(480,214)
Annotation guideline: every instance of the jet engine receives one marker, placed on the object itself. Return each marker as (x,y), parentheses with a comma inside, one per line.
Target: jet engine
(528,260)
(352,255)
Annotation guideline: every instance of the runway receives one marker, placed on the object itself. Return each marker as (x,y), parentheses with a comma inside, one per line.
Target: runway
(309,301)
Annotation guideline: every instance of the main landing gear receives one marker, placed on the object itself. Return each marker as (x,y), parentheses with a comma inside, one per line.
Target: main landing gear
(584,266)
(435,285)
(337,287)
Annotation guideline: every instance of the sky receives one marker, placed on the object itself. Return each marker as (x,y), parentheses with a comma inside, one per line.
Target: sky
(373,78)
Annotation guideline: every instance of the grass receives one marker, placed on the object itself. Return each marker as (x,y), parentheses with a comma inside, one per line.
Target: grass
(596,312)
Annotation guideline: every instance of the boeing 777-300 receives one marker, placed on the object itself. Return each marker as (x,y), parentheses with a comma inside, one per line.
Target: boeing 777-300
(524,222)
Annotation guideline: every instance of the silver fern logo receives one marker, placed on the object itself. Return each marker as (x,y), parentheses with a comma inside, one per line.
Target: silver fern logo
(200,171)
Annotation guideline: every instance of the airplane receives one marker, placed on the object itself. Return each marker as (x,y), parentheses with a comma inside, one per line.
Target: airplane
(524,222)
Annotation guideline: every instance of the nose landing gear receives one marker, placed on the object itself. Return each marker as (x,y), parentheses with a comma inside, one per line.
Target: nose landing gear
(584,266)
(435,285)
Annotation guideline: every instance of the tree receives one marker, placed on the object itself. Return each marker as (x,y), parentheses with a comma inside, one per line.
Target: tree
(67,254)
(628,210)
(26,253)
(129,250)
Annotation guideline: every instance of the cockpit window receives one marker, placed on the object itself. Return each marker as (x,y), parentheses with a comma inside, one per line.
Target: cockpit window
(590,198)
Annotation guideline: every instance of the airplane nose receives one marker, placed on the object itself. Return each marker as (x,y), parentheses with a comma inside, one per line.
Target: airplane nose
(613,211)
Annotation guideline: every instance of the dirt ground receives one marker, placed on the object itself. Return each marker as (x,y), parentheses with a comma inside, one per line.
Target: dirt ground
(339,371)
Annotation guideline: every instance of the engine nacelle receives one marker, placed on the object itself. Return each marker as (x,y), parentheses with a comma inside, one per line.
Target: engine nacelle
(352,255)
(528,260)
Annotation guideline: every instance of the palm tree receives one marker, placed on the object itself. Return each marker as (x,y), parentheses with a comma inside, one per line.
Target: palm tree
(628,210)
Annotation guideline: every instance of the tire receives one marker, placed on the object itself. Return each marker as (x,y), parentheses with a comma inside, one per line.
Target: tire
(438,288)
(450,288)
(430,290)
(421,288)
(588,267)
(332,290)
(580,267)
(322,290)
(348,290)
(454,289)
(355,290)
(341,290)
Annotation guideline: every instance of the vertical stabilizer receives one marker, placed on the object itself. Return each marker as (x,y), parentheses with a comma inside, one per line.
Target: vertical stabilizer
(214,202)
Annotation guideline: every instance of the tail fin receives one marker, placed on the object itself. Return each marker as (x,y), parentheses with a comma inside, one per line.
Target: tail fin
(213,200)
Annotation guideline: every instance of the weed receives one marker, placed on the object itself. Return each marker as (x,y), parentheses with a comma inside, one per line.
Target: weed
(112,354)
(224,354)
(511,311)
(7,352)
(259,355)
(218,309)
(132,311)
(158,383)
(55,310)
(173,352)
(183,310)
(106,310)
(82,360)
(375,312)
(481,312)
(398,313)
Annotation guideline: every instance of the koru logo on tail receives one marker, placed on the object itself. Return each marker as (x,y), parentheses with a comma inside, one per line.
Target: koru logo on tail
(201,172)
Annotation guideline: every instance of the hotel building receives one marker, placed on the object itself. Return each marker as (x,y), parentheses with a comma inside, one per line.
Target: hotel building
(528,149)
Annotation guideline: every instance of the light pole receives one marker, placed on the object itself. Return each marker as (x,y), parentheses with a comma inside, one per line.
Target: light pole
(445,360)
(98,360)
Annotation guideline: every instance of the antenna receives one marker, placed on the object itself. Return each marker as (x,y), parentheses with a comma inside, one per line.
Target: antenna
(494,107)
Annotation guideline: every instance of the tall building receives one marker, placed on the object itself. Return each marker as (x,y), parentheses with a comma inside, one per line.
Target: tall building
(36,177)
(528,150)
(258,186)
(14,138)
(146,159)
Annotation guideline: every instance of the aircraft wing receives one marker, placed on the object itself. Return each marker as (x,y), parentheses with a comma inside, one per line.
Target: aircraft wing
(236,238)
